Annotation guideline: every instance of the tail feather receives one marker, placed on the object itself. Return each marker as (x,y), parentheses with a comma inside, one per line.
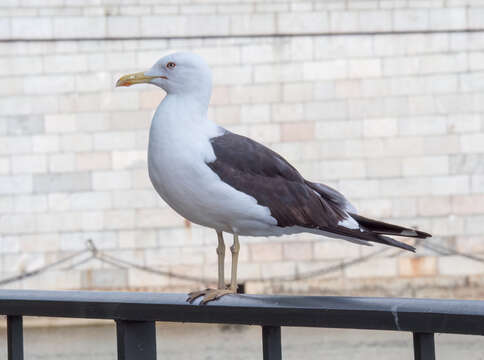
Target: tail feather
(380,227)
(392,242)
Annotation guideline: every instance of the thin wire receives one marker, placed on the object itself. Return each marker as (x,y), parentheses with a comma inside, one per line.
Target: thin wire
(41,269)
(124,264)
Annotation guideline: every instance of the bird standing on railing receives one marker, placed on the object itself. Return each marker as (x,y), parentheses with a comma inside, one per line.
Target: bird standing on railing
(233,184)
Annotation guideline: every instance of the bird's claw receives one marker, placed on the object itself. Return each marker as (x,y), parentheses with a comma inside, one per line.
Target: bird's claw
(208,295)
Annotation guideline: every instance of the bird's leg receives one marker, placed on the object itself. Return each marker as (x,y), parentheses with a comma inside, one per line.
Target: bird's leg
(213,294)
(221,260)
(235,248)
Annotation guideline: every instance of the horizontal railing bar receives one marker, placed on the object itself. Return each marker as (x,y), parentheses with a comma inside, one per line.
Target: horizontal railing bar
(416,315)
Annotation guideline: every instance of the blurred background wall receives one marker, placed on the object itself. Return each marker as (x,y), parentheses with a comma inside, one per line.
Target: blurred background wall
(382,100)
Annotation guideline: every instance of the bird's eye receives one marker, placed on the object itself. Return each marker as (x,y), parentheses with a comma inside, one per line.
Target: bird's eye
(171,65)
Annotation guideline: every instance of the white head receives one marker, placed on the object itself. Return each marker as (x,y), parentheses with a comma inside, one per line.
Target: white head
(179,73)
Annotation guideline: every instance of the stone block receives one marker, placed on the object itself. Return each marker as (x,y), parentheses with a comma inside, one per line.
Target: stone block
(450,185)
(92,221)
(90,200)
(123,26)
(119,219)
(31,27)
(477,183)
(231,114)
(265,133)
(60,123)
(344,21)
(164,218)
(301,251)
(475,18)
(324,70)
(65,63)
(338,129)
(28,164)
(76,142)
(363,68)
(297,131)
(327,110)
(258,113)
(246,24)
(30,203)
(342,169)
(114,141)
(232,75)
(255,54)
(417,266)
(255,94)
(139,239)
(297,92)
(45,143)
(63,162)
(129,159)
(435,206)
(424,166)
(411,19)
(287,112)
(331,249)
(405,187)
(16,184)
(374,268)
(468,204)
(4,165)
(441,63)
(276,73)
(27,125)
(457,265)
(386,127)
(448,19)
(93,161)
(274,270)
(61,182)
(110,180)
(104,279)
(375,20)
(71,27)
(135,198)
(397,66)
(384,167)
(303,23)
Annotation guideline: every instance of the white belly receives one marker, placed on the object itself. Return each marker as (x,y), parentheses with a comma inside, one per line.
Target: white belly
(178,172)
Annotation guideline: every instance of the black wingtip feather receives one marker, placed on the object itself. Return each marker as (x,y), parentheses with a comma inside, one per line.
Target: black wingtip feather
(380,227)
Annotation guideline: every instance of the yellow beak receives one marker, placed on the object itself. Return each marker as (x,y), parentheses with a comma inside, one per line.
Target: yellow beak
(137,78)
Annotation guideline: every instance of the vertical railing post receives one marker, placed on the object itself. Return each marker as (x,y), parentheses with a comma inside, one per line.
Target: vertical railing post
(271,342)
(15,338)
(423,346)
(136,340)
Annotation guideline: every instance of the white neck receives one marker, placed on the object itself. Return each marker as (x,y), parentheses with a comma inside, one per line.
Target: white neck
(182,119)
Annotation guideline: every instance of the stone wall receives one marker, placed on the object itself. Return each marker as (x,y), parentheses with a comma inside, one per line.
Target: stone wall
(381,99)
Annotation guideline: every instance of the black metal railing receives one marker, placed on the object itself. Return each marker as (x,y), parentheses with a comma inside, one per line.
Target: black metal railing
(135,315)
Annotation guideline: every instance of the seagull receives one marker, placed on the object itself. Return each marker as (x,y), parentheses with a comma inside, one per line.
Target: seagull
(233,184)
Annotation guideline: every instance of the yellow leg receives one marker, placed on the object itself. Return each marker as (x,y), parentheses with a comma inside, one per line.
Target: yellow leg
(235,248)
(221,260)
(213,294)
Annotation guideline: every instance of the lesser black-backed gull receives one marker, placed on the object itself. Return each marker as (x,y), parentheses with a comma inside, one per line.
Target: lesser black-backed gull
(233,184)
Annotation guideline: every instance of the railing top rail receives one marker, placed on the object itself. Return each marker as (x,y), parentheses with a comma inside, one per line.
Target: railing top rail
(404,314)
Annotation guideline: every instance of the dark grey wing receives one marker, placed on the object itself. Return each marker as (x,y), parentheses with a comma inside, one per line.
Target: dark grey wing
(256,170)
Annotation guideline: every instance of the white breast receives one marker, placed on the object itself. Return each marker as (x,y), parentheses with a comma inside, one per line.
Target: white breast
(179,149)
